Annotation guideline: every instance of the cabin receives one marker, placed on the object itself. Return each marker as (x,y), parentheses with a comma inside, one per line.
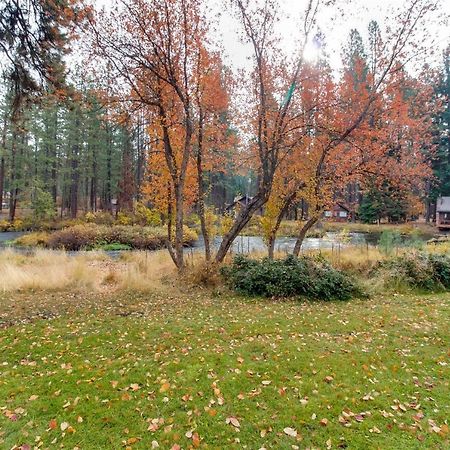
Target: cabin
(443,212)
(241,202)
(338,213)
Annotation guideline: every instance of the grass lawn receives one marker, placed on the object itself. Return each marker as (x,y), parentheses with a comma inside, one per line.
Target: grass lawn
(111,371)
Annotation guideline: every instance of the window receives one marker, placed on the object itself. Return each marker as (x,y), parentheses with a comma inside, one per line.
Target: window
(342,213)
(328,214)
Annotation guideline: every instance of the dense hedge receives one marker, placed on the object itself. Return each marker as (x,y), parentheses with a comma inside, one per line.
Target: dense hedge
(304,276)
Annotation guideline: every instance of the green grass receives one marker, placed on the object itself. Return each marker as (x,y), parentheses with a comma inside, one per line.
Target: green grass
(106,365)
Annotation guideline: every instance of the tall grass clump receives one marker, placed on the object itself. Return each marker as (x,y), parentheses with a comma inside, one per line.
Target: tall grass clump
(47,271)
(416,270)
(390,240)
(144,271)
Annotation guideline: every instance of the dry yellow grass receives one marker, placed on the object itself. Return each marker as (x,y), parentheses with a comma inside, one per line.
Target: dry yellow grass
(56,270)
(142,271)
(47,270)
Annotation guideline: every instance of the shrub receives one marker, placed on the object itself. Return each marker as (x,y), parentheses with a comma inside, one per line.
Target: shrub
(91,236)
(147,216)
(189,236)
(204,274)
(89,217)
(37,239)
(73,238)
(417,270)
(114,246)
(42,205)
(124,218)
(4,225)
(103,218)
(17,225)
(304,276)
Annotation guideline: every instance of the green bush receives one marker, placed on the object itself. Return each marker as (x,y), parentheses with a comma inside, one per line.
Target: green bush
(42,205)
(304,276)
(417,271)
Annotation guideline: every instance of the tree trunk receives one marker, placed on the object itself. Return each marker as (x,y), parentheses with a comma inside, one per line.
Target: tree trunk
(14,190)
(274,231)
(241,221)
(179,219)
(54,165)
(126,185)
(2,163)
(201,193)
(298,244)
(108,190)
(140,160)
(74,188)
(2,180)
(75,176)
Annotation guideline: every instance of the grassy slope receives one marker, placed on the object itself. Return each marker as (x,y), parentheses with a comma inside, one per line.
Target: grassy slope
(109,365)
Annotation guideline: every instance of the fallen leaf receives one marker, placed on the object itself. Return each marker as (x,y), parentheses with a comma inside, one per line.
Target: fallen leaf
(196,440)
(290,431)
(233,421)
(164,387)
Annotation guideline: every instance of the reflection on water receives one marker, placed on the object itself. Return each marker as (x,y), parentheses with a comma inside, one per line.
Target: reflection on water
(252,244)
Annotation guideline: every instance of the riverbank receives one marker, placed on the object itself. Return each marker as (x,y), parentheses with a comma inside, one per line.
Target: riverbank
(290,228)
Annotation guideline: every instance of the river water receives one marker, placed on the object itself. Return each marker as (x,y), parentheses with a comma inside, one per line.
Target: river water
(254,244)
(250,244)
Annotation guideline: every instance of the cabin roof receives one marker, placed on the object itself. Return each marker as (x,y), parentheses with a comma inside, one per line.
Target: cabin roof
(443,204)
(343,206)
(241,199)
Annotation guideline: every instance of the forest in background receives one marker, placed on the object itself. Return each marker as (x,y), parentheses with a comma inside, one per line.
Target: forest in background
(154,117)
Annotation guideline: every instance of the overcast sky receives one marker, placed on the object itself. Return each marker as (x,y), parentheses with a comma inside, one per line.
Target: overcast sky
(336,22)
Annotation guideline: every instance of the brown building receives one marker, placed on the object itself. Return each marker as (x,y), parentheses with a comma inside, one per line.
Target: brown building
(239,203)
(443,212)
(338,213)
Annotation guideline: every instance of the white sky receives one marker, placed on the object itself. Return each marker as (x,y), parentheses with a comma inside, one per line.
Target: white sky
(335,22)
